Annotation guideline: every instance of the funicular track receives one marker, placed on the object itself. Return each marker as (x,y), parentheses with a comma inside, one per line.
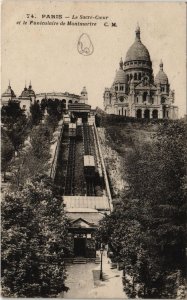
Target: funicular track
(87,140)
(70,177)
(88,150)
(90,187)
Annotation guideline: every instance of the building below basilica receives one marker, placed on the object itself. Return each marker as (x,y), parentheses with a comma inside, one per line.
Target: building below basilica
(28,97)
(135,92)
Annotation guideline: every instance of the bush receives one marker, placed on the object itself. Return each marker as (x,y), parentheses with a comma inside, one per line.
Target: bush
(34,242)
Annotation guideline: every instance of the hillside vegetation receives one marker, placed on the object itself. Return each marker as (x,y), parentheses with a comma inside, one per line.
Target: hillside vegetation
(118,137)
(34,224)
(146,231)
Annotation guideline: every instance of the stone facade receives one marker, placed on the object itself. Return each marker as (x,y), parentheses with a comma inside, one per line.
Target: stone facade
(66,97)
(28,96)
(135,92)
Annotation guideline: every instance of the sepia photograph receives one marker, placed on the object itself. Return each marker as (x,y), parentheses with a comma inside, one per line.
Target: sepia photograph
(93,149)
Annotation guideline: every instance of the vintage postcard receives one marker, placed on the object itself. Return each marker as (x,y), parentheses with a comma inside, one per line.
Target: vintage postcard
(93,149)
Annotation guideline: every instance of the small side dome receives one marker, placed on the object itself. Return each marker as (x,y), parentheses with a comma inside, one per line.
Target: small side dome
(84,91)
(161,77)
(9,93)
(120,74)
(24,92)
(27,92)
(30,90)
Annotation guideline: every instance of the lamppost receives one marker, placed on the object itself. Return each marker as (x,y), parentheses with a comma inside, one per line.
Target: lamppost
(101,269)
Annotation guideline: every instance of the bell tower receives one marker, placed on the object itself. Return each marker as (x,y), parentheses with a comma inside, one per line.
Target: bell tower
(84,96)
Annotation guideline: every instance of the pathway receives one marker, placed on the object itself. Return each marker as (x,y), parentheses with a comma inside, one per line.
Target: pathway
(83,281)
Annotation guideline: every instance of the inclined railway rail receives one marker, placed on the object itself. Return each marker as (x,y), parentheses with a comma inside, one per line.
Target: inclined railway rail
(88,150)
(70,177)
(69,188)
(90,187)
(87,140)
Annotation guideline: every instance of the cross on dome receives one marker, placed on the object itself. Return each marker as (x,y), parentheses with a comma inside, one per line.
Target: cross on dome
(161,65)
(121,63)
(137,31)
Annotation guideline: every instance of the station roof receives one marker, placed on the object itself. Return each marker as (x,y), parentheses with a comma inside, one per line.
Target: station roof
(89,217)
(94,202)
(79,107)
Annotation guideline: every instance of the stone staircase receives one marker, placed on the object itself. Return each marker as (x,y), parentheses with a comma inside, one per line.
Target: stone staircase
(97,260)
(82,260)
(79,260)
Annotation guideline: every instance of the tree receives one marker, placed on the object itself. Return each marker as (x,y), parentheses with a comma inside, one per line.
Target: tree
(147,229)
(40,142)
(7,151)
(12,111)
(162,165)
(36,113)
(34,240)
(16,123)
(34,158)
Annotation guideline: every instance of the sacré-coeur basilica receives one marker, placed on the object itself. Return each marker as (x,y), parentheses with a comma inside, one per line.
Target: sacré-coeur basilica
(135,92)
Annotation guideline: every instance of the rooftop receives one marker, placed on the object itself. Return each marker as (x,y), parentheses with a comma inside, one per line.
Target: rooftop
(93,202)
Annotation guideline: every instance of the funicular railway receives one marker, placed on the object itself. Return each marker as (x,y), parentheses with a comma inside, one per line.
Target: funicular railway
(80,164)
(81,180)
(88,150)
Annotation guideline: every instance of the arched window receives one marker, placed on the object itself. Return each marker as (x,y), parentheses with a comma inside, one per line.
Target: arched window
(63,103)
(139,76)
(127,77)
(121,99)
(139,113)
(137,99)
(163,100)
(70,101)
(164,111)
(147,114)
(135,76)
(155,114)
(130,76)
(125,113)
(116,88)
(144,96)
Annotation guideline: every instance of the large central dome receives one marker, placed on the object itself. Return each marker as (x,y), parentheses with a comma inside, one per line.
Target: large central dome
(137,51)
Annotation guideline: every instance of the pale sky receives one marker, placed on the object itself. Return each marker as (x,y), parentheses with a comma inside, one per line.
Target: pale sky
(48,56)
